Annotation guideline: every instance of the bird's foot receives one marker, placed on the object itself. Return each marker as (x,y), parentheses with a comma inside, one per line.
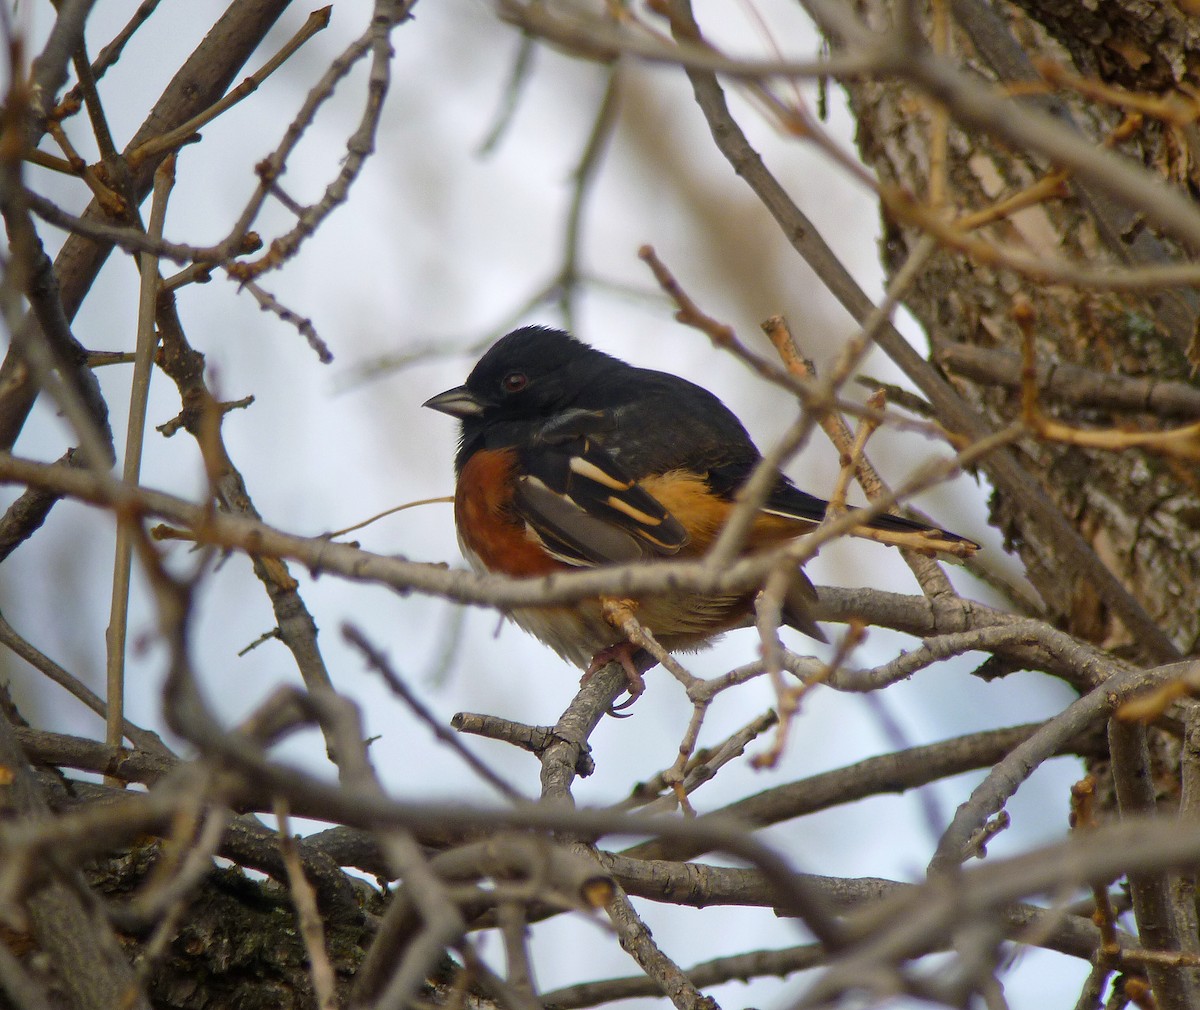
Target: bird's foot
(627,654)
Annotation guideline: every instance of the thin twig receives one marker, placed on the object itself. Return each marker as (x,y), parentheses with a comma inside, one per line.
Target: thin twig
(317,21)
(139,394)
(312,929)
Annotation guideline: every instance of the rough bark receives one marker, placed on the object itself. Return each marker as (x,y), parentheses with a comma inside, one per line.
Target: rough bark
(1136,509)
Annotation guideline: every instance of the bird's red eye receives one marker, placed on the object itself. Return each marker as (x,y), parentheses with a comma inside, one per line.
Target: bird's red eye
(514,382)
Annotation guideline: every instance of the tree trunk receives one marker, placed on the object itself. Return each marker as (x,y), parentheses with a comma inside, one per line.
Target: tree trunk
(1136,509)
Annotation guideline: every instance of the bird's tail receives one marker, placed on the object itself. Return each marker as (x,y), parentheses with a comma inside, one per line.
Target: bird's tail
(790,502)
(918,536)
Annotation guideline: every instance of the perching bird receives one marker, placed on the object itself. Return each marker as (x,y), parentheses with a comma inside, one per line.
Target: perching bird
(570,458)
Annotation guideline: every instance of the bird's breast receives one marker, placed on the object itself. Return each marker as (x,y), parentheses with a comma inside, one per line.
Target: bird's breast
(490,531)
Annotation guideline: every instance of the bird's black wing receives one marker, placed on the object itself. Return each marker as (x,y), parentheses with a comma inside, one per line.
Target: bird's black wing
(667,422)
(661,423)
(580,492)
(585,507)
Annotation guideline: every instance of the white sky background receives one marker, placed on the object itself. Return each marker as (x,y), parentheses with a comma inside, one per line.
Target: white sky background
(438,244)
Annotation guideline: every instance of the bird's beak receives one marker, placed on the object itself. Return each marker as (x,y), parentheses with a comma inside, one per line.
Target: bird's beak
(457,402)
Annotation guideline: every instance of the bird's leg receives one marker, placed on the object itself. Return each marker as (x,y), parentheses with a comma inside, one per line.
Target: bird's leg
(633,658)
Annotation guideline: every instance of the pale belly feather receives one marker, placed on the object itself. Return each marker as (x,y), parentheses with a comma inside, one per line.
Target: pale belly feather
(578,631)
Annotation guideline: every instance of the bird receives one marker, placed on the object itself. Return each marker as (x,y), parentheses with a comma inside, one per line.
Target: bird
(571,458)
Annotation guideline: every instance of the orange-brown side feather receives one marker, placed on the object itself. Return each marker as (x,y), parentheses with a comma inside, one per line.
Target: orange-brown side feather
(688,497)
(687,621)
(487,523)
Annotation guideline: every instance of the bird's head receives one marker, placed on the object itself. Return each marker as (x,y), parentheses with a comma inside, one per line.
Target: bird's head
(526,377)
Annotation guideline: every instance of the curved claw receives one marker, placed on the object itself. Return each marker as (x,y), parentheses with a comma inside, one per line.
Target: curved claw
(615,708)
